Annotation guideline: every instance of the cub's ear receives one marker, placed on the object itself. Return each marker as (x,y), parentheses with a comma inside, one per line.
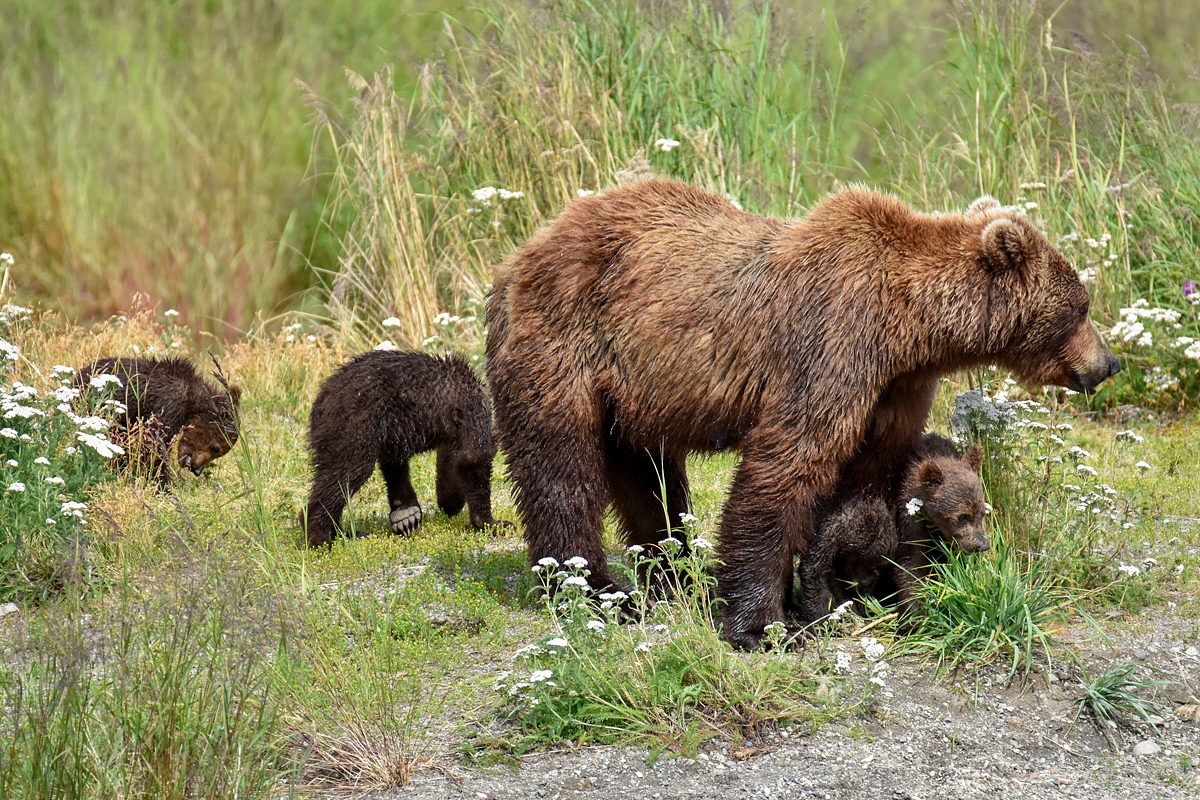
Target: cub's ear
(1005,245)
(985,203)
(235,394)
(930,474)
(974,458)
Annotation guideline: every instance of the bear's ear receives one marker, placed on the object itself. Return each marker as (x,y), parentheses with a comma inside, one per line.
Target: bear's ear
(930,474)
(1005,246)
(974,458)
(985,203)
(235,394)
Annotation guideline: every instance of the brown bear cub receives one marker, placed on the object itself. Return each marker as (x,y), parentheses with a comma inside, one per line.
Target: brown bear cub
(385,407)
(656,319)
(865,548)
(165,398)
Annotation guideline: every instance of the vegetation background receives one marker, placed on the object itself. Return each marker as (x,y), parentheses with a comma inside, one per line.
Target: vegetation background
(291,183)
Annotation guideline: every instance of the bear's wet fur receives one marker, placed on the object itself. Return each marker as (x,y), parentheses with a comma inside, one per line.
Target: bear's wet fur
(864,547)
(656,319)
(385,407)
(165,398)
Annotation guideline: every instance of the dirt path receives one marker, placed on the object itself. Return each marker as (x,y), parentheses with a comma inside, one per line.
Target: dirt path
(925,739)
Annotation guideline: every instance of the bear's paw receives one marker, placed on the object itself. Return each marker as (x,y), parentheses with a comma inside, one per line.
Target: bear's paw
(405,519)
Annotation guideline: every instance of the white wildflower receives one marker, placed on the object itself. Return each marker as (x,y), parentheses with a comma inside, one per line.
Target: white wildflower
(16,486)
(540,675)
(1129,569)
(686,518)
(841,611)
(12,462)
(1142,465)
(1131,436)
(578,562)
(391,322)
(1090,470)
(595,625)
(872,648)
(576,580)
(913,506)
(387,344)
(548,562)
(101,445)
(8,433)
(103,379)
(42,460)
(557,641)
(700,543)
(666,145)
(55,479)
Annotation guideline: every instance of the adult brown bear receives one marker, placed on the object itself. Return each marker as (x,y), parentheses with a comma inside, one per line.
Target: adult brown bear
(656,319)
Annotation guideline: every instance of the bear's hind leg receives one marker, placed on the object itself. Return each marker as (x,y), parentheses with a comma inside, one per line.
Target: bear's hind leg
(636,482)
(332,489)
(561,493)
(405,511)
(451,494)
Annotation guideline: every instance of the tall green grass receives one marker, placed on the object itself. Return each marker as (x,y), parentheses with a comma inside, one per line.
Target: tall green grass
(774,110)
(161,148)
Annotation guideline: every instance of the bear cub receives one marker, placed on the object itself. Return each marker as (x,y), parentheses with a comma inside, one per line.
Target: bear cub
(863,547)
(385,407)
(165,398)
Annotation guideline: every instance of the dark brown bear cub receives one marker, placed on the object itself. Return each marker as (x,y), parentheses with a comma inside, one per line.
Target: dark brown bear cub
(385,407)
(865,546)
(168,398)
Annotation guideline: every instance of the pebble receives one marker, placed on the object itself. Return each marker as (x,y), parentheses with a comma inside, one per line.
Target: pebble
(1146,747)
(8,608)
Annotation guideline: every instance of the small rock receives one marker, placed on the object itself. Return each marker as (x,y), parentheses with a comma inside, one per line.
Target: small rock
(1140,655)
(1146,748)
(8,608)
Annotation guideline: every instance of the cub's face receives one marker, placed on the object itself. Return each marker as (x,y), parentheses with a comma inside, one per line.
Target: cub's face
(201,441)
(953,500)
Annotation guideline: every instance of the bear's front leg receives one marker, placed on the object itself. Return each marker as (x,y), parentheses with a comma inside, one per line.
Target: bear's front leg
(762,528)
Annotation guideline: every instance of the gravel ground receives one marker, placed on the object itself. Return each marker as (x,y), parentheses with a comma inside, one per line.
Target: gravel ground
(926,738)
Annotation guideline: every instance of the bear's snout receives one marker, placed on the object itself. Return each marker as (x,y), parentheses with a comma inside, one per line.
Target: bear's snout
(973,541)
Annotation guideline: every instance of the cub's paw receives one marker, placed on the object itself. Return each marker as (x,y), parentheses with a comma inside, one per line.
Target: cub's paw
(405,519)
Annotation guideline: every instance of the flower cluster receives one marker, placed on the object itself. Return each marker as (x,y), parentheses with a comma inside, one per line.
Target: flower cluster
(487,194)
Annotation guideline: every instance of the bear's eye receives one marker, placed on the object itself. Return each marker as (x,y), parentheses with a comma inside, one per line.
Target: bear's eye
(1083,312)
(964,519)
(215,449)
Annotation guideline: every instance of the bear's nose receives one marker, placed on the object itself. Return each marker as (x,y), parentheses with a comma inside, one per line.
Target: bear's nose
(1114,366)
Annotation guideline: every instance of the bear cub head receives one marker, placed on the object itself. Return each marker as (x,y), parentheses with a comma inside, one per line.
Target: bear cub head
(210,434)
(951,497)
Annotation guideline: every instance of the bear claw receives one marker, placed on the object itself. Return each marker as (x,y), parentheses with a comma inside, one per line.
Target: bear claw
(405,519)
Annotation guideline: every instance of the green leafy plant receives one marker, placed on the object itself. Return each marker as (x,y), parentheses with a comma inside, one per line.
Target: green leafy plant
(983,608)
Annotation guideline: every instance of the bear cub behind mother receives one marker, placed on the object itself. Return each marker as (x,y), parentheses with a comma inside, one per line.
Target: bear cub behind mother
(657,319)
